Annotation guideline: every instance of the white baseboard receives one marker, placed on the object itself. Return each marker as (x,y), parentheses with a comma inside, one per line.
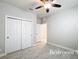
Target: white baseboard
(53,44)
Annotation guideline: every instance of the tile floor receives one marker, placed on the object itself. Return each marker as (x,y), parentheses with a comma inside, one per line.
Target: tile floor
(41,51)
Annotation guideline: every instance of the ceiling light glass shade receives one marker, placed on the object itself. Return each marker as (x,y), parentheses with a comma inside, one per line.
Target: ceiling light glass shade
(47,5)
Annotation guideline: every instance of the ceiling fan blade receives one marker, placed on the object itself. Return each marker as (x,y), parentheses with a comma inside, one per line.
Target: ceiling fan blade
(38,7)
(46,0)
(51,0)
(47,10)
(56,5)
(30,9)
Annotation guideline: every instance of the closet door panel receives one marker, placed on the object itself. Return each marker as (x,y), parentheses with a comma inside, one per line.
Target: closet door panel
(26,34)
(12,35)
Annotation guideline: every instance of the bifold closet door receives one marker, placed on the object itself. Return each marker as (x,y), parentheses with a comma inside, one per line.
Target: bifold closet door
(26,34)
(12,35)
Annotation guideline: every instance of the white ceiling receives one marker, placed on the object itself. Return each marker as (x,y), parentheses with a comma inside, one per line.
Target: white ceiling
(26,4)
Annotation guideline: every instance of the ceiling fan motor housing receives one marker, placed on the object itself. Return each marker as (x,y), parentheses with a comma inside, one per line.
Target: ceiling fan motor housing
(47,10)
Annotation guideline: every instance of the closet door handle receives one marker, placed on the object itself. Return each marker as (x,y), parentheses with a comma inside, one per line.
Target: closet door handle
(31,35)
(8,37)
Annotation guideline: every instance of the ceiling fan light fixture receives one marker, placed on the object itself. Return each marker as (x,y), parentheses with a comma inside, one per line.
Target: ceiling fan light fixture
(47,5)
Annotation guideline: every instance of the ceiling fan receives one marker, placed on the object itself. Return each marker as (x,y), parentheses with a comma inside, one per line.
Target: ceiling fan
(47,4)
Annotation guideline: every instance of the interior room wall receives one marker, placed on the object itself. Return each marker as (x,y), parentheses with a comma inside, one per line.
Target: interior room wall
(63,28)
(6,9)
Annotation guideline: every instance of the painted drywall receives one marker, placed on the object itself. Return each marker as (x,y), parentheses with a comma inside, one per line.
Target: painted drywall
(62,28)
(6,9)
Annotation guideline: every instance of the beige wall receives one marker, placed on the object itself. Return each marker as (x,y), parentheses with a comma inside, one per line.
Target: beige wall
(63,28)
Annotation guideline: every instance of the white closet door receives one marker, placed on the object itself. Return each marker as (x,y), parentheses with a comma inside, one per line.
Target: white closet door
(26,34)
(12,35)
